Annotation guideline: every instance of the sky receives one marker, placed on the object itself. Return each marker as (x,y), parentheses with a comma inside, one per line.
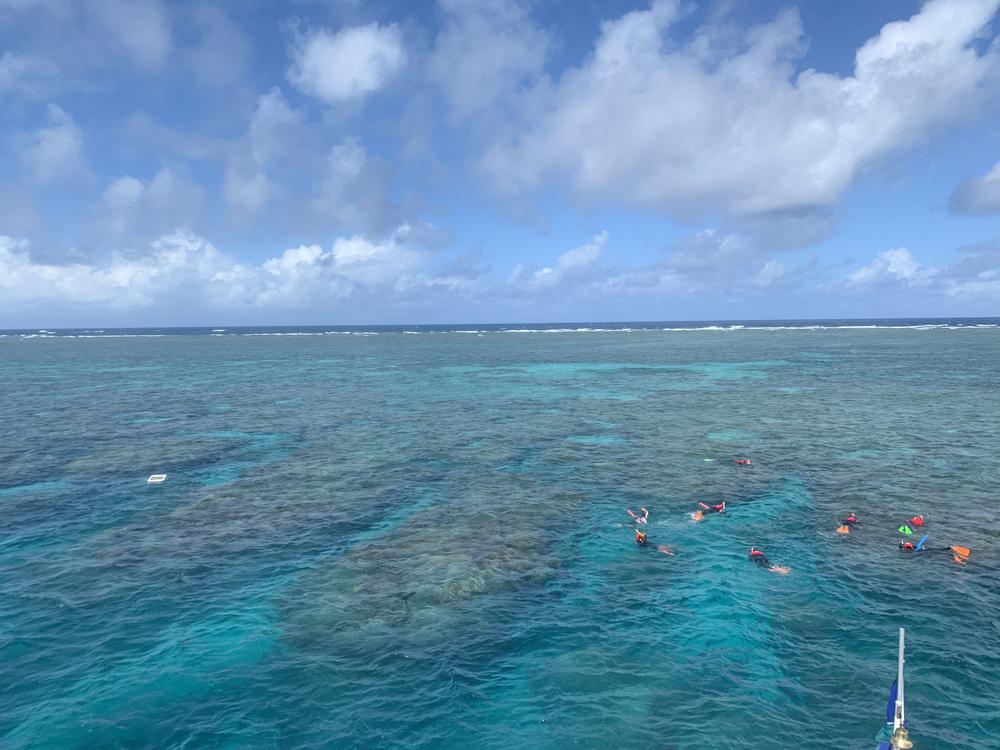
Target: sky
(345,162)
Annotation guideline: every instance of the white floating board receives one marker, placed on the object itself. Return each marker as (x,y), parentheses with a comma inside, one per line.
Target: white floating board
(156,478)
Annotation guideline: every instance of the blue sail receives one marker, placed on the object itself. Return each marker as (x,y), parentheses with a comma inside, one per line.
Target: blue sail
(890,709)
(884,736)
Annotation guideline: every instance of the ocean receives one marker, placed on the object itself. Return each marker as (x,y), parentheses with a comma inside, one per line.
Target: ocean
(416,536)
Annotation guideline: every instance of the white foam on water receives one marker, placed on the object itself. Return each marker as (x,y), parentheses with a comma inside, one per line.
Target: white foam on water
(100,333)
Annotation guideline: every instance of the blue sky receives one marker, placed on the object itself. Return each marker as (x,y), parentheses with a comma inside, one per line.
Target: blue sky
(477,160)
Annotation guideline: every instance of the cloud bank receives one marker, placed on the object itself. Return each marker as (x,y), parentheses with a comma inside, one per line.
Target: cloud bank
(183,271)
(700,126)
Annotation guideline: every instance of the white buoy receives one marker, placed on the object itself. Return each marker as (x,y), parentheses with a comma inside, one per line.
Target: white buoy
(156,478)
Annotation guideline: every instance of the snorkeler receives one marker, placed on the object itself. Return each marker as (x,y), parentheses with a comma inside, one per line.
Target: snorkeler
(640,539)
(847,523)
(743,462)
(959,554)
(917,520)
(717,508)
(644,518)
(758,557)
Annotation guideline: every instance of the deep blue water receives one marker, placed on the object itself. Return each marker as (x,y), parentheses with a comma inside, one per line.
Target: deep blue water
(420,541)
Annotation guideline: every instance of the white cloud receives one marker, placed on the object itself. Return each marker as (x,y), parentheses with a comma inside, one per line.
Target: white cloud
(25,75)
(123,283)
(141,28)
(348,64)
(272,132)
(978,197)
(364,277)
(572,263)
(486,49)
(695,127)
(53,152)
(184,266)
(973,277)
(896,265)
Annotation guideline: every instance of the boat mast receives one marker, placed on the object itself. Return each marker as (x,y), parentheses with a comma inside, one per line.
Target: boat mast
(900,717)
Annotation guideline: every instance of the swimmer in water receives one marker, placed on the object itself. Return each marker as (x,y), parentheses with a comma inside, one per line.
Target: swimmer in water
(760,559)
(917,521)
(743,462)
(848,523)
(642,541)
(717,508)
(644,518)
(959,554)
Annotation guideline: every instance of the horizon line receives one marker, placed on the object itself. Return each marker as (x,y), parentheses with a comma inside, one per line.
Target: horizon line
(221,326)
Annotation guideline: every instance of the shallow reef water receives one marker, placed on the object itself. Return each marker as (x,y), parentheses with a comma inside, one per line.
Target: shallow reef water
(420,541)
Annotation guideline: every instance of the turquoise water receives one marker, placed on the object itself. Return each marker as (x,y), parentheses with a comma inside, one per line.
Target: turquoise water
(419,541)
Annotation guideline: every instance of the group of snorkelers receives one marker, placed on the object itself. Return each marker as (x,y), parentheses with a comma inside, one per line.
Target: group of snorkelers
(959,554)
(756,556)
(641,537)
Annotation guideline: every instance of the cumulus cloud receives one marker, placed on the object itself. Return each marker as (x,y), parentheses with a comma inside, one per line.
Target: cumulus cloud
(571,265)
(140,28)
(486,50)
(340,66)
(121,284)
(895,266)
(973,276)
(271,133)
(55,151)
(695,127)
(978,197)
(184,266)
